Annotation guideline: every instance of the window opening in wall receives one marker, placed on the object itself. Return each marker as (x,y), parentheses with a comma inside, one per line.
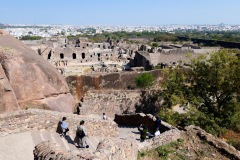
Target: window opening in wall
(74,56)
(98,55)
(91,56)
(61,56)
(49,55)
(99,46)
(83,55)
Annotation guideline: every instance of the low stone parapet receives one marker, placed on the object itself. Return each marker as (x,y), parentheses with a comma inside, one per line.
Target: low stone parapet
(164,138)
(140,118)
(33,119)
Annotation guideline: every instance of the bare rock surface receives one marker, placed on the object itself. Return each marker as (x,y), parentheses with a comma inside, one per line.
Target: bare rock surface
(32,78)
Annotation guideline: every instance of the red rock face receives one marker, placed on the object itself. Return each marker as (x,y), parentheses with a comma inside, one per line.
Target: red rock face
(35,83)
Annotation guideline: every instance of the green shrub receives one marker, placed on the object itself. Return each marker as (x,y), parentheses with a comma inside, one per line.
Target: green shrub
(144,80)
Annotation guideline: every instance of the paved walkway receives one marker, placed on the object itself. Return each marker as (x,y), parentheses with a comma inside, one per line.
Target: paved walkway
(17,147)
(132,133)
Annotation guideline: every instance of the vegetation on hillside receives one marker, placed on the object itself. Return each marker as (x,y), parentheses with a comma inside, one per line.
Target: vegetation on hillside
(158,36)
(209,90)
(28,37)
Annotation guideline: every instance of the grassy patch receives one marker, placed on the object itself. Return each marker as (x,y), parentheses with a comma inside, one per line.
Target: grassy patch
(172,150)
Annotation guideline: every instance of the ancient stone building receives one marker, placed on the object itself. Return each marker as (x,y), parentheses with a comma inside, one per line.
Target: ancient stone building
(167,55)
(81,56)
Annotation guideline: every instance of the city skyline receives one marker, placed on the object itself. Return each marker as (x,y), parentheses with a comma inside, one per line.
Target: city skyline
(124,12)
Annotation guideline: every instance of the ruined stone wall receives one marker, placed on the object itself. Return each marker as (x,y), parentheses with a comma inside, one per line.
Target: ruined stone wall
(110,102)
(164,138)
(140,118)
(33,119)
(168,132)
(79,85)
(108,149)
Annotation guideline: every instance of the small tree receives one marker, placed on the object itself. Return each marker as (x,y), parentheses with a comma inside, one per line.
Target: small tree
(144,80)
(211,87)
(154,44)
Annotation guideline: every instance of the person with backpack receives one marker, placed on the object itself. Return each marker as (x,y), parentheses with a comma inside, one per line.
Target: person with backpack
(82,135)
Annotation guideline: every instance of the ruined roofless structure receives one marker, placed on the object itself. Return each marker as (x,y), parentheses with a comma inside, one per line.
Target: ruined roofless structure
(82,56)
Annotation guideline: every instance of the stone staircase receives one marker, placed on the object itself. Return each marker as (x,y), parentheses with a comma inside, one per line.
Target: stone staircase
(66,143)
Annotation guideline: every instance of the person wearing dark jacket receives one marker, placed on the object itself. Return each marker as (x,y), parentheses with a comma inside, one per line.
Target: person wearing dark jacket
(158,124)
(143,131)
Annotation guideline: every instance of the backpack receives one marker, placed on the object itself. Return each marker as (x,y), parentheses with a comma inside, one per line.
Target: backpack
(80,132)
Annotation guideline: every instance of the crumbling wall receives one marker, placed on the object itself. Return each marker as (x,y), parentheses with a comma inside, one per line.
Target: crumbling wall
(117,81)
(33,119)
(110,102)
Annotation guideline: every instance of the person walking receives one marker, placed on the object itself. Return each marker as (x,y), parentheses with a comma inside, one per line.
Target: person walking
(158,124)
(82,135)
(143,132)
(64,127)
(104,116)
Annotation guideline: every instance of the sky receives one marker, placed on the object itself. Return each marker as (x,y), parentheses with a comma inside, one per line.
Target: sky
(119,12)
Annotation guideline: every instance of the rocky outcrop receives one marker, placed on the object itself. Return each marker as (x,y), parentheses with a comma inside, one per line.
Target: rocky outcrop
(8,101)
(221,146)
(32,81)
(107,149)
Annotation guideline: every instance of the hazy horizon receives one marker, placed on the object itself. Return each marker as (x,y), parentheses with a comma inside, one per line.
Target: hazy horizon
(120,13)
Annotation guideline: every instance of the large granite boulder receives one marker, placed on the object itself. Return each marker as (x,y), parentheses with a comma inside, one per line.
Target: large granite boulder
(29,81)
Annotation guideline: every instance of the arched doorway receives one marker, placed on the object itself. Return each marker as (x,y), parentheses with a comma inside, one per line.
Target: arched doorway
(74,56)
(61,56)
(83,55)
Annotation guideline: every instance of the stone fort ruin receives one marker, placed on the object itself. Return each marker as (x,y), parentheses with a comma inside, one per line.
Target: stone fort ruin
(77,57)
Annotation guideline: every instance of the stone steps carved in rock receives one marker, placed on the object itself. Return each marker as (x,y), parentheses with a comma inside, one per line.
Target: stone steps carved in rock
(66,143)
